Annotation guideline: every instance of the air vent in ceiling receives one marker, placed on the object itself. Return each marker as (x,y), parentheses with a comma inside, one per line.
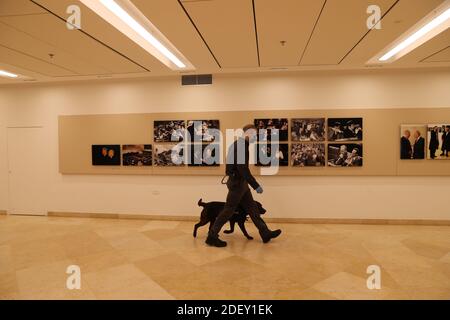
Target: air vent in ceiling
(192,80)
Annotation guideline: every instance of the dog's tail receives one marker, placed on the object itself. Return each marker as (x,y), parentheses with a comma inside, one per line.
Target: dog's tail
(201,203)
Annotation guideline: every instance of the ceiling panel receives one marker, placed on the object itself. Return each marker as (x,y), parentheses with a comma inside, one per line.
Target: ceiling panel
(18,7)
(440,56)
(291,21)
(97,27)
(402,17)
(22,42)
(229,29)
(27,62)
(169,17)
(340,27)
(53,31)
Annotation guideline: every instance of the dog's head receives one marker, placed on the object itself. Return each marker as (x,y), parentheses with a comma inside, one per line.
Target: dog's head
(260,208)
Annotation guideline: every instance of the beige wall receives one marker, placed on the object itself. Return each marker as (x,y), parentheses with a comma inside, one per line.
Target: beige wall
(330,197)
(3,161)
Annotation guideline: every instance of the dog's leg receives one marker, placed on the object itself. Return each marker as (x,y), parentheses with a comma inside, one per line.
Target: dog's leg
(232,222)
(244,231)
(198,225)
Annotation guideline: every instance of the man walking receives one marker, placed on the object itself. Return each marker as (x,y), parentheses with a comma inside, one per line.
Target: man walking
(238,191)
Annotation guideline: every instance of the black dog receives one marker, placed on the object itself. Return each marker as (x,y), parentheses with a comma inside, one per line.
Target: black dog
(212,209)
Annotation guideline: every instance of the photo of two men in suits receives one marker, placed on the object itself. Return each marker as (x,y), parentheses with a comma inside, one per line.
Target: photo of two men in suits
(412,142)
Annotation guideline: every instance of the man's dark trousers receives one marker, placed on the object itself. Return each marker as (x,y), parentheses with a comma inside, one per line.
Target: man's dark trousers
(238,194)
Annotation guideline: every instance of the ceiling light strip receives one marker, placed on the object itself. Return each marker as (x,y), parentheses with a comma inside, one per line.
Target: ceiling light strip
(444,17)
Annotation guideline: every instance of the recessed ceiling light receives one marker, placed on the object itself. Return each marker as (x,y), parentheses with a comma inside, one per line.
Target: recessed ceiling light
(125,17)
(433,24)
(7,74)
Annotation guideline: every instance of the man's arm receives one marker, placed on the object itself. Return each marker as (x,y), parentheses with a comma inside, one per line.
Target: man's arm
(244,172)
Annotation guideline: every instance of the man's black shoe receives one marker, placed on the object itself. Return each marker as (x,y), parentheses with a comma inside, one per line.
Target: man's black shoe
(270,235)
(215,242)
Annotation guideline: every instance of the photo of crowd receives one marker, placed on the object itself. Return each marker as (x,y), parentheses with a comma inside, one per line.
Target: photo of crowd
(266,130)
(169,155)
(203,130)
(105,155)
(345,155)
(345,129)
(438,141)
(137,155)
(308,129)
(169,131)
(308,154)
(412,142)
(204,154)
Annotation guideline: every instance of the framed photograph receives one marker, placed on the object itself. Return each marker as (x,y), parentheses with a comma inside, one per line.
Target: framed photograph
(137,155)
(268,154)
(345,129)
(106,155)
(345,155)
(308,129)
(438,136)
(169,155)
(412,141)
(266,132)
(169,131)
(203,130)
(203,154)
(308,155)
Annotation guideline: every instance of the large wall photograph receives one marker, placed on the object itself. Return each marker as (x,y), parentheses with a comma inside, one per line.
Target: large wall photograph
(308,155)
(169,131)
(345,155)
(308,129)
(345,129)
(438,136)
(265,128)
(272,154)
(412,141)
(105,155)
(203,130)
(137,155)
(203,154)
(169,155)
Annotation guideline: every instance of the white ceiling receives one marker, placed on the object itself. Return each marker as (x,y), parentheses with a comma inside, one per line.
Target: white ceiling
(217,36)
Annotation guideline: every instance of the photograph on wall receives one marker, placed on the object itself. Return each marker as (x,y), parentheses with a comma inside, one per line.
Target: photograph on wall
(203,130)
(308,129)
(266,130)
(345,155)
(137,155)
(268,154)
(169,131)
(308,154)
(169,155)
(345,129)
(203,154)
(106,155)
(412,141)
(438,137)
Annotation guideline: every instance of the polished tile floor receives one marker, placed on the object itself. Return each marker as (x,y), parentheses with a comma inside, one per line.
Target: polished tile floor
(134,259)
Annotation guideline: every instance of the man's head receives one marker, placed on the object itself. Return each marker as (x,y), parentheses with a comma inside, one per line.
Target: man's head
(447,128)
(111,153)
(407,134)
(417,134)
(249,132)
(104,151)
